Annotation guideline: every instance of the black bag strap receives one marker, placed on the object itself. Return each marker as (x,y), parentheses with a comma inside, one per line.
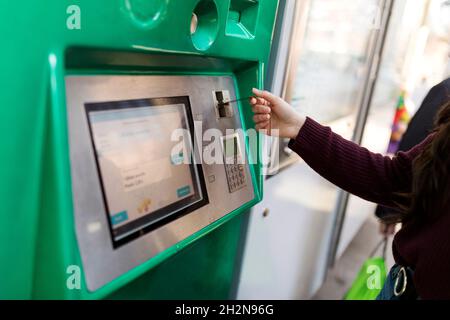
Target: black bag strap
(381,245)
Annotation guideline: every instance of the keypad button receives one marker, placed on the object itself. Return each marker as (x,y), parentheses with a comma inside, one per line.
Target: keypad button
(235,175)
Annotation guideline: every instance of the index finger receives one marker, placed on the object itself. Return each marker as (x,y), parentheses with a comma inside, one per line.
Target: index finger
(266,95)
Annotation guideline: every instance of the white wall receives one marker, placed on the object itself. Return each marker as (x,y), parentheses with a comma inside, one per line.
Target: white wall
(286,251)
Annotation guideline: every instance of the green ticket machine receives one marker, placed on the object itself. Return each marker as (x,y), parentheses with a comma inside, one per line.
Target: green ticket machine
(126,171)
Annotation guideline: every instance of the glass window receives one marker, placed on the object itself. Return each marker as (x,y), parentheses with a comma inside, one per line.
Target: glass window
(332,58)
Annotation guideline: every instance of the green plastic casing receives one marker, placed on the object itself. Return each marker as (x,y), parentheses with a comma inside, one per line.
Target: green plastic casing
(42,42)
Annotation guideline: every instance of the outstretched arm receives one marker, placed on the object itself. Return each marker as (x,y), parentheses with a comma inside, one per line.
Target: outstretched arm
(351,167)
(371,176)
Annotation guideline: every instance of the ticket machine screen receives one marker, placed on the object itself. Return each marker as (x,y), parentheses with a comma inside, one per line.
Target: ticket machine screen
(147,173)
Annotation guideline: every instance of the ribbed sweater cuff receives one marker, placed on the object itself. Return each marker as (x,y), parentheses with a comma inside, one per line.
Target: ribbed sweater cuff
(310,136)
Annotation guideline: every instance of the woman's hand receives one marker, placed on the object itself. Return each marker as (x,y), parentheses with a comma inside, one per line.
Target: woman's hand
(387,230)
(275,113)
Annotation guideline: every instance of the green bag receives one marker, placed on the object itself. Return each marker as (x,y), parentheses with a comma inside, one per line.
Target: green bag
(371,277)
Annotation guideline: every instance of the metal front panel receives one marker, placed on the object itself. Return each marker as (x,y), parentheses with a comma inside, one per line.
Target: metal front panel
(102,263)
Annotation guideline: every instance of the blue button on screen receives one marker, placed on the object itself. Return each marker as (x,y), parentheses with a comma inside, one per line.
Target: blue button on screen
(184,191)
(119,217)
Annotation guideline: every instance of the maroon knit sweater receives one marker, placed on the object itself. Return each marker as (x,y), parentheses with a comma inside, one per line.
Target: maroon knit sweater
(373,177)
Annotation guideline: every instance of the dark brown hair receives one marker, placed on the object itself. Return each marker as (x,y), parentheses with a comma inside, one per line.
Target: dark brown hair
(430,194)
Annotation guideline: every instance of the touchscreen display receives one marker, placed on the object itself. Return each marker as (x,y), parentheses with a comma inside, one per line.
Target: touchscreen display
(147,179)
